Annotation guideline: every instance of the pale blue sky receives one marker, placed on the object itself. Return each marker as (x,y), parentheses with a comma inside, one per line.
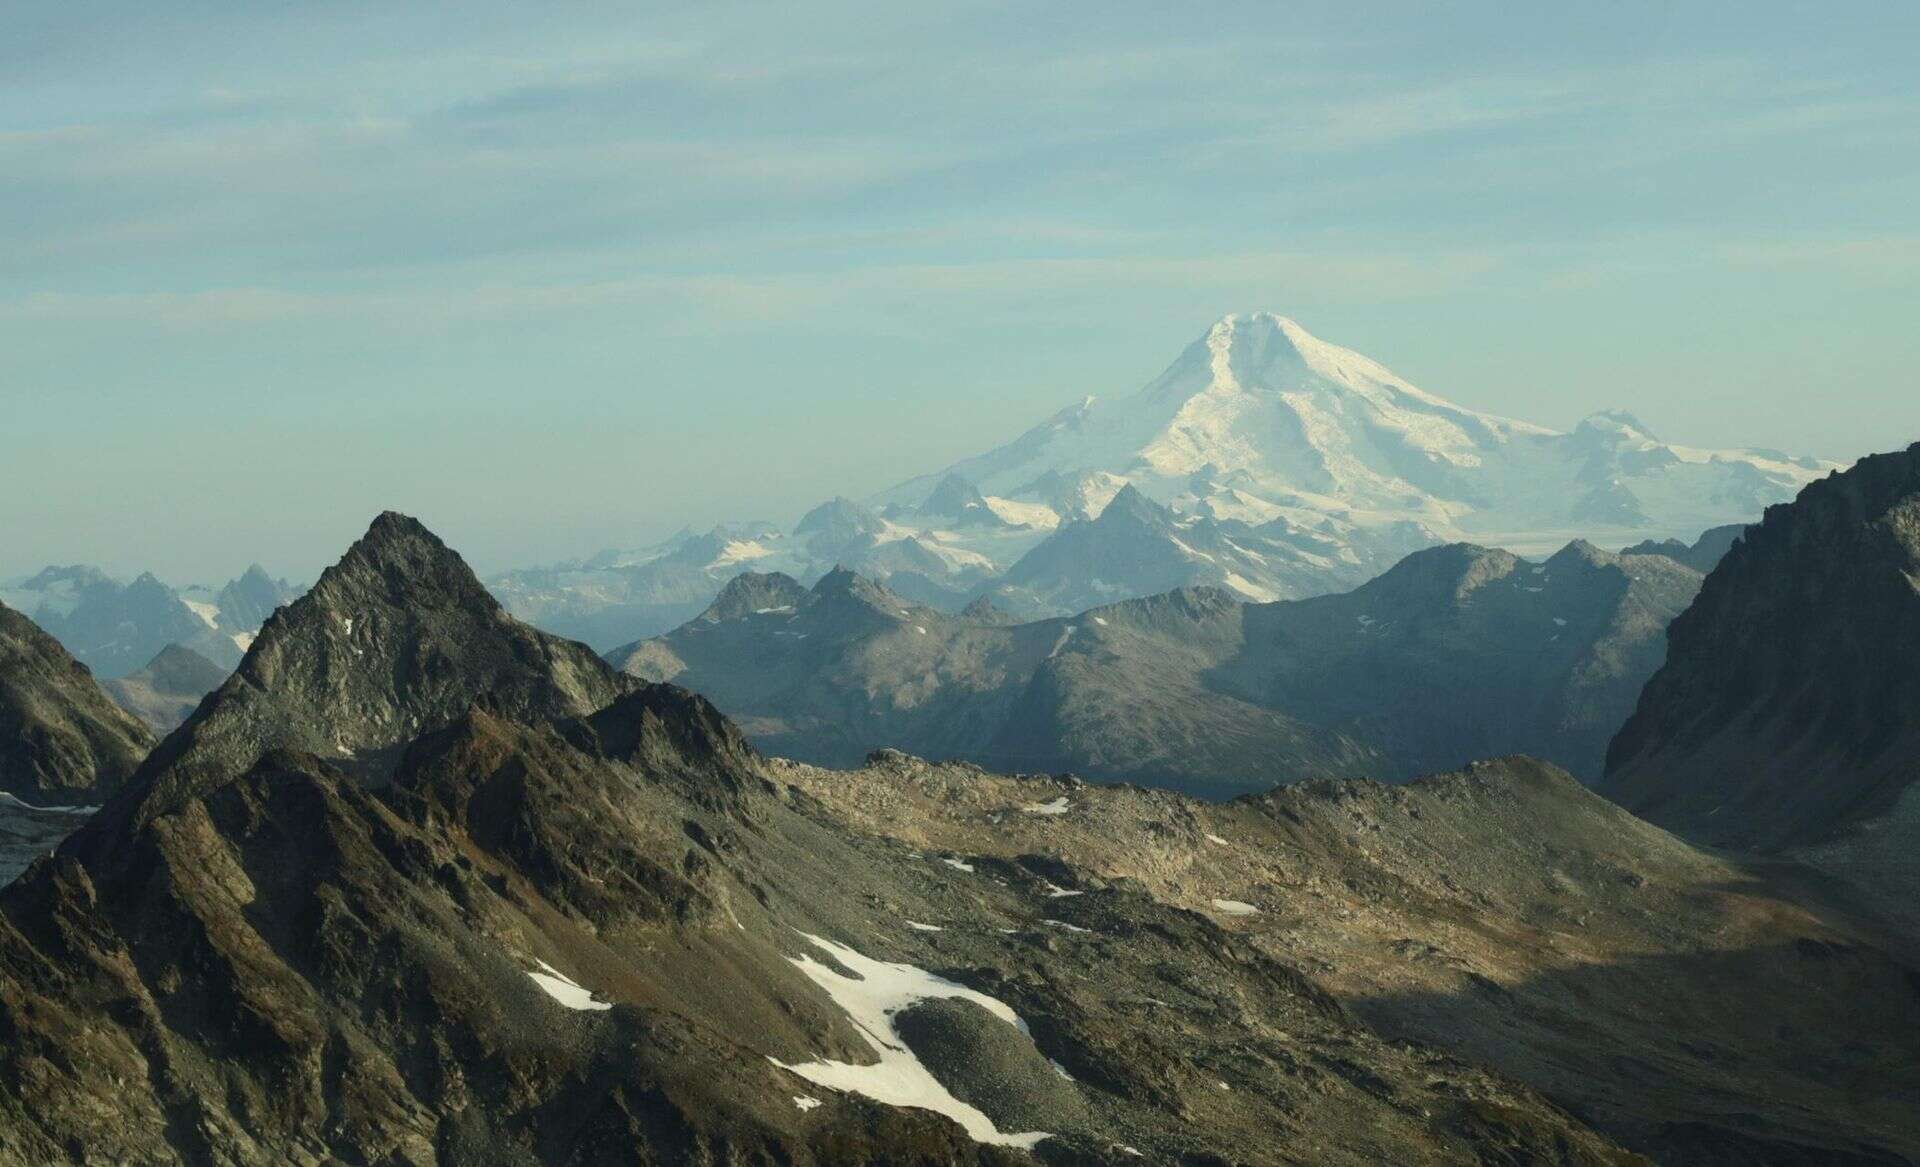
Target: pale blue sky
(555,277)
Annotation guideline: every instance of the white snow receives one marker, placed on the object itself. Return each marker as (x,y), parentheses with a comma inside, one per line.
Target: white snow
(957,865)
(1100,620)
(562,988)
(1217,840)
(870,998)
(917,926)
(8,799)
(1037,515)
(768,611)
(1559,621)
(1059,805)
(1056,892)
(1205,437)
(920,628)
(739,551)
(208,613)
(348,621)
(1064,924)
(1236,908)
(1251,590)
(243,640)
(805,1101)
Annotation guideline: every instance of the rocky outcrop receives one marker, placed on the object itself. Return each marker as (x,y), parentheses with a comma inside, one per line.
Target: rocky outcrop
(62,740)
(1788,712)
(394,639)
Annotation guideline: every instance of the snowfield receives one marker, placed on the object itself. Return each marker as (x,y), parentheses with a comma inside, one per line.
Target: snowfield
(870,997)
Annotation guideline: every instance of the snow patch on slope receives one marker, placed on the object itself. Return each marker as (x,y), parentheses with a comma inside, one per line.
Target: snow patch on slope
(870,997)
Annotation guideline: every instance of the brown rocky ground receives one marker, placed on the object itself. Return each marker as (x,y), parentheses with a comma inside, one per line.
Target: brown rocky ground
(1698,1008)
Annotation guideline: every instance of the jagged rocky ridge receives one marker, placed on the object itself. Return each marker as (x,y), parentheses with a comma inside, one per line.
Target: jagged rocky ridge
(573,918)
(1702,555)
(524,910)
(1788,712)
(63,742)
(1458,652)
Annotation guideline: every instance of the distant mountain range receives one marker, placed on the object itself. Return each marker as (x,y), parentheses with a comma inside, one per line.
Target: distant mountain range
(1458,652)
(115,628)
(1264,461)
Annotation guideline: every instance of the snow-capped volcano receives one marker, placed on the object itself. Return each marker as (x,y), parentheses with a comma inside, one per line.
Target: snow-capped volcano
(1264,460)
(1261,420)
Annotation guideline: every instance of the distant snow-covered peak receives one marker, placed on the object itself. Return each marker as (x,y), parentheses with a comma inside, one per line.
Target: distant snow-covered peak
(1260,419)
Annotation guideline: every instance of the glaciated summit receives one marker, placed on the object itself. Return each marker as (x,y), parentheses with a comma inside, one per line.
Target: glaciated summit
(1259,420)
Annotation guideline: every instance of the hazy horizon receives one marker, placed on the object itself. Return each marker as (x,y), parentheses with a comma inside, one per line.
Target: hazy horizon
(554,284)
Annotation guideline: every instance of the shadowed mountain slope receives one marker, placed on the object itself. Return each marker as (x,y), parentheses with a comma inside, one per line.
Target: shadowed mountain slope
(62,740)
(1787,716)
(1458,652)
(168,690)
(1789,707)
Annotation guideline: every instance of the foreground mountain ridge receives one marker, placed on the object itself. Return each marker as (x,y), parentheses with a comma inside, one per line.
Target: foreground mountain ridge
(397,636)
(1785,714)
(574,919)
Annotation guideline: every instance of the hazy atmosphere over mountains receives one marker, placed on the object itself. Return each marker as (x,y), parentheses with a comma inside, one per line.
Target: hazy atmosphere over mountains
(858,585)
(565,285)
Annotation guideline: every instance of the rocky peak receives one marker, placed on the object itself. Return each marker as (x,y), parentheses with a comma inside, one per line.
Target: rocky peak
(396,637)
(841,517)
(78,574)
(247,601)
(399,563)
(179,668)
(1440,577)
(960,502)
(1581,555)
(753,591)
(1131,507)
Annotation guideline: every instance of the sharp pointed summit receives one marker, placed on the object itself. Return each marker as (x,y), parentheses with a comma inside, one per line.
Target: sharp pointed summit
(396,637)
